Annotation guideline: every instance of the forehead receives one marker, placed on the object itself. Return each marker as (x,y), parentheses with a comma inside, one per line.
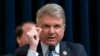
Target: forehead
(51,19)
(28,26)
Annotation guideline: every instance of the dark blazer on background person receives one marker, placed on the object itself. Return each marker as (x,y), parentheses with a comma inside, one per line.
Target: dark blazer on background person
(66,49)
(10,54)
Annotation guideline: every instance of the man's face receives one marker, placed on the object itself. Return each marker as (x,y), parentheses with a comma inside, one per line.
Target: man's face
(52,29)
(24,38)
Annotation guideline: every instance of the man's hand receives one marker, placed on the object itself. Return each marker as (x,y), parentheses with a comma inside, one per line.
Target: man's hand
(33,36)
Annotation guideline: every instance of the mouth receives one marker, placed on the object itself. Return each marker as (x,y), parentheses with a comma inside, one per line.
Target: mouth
(51,38)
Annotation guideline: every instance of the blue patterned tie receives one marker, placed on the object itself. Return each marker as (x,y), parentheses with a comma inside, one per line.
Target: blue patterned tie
(51,48)
(50,53)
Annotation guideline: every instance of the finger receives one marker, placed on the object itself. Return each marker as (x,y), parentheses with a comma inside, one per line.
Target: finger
(37,37)
(38,30)
(33,28)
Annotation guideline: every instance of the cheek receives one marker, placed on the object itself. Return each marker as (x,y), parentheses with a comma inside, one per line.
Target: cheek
(24,39)
(43,34)
(60,33)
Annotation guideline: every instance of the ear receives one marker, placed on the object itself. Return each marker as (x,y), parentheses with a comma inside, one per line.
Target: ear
(18,40)
(64,26)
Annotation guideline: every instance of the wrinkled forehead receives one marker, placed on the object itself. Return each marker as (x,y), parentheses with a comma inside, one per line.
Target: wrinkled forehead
(50,19)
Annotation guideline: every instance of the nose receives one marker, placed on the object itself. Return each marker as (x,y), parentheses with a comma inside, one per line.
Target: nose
(51,30)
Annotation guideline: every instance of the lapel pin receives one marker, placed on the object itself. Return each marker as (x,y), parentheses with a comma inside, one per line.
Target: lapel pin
(64,53)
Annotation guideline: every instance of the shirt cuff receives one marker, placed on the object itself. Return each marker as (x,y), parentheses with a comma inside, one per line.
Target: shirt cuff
(32,53)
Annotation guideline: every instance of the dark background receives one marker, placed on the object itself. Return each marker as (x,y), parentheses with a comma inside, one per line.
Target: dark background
(82,22)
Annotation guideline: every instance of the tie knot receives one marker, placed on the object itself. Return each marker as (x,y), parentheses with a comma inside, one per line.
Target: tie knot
(51,48)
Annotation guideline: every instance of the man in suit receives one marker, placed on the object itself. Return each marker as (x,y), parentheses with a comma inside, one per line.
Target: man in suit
(50,31)
(21,36)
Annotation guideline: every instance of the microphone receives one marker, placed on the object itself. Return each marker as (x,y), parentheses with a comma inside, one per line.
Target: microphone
(51,48)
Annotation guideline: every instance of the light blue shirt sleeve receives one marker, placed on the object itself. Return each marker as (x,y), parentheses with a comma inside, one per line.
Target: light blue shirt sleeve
(32,53)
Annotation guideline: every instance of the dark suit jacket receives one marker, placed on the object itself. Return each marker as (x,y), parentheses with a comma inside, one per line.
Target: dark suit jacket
(11,54)
(71,49)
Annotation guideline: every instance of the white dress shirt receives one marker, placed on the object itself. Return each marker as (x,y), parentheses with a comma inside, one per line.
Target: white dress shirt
(45,51)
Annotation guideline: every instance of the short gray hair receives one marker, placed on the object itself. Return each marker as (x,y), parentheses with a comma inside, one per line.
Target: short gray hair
(51,9)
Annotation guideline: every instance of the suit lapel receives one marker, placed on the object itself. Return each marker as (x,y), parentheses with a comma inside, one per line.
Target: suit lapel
(39,50)
(64,49)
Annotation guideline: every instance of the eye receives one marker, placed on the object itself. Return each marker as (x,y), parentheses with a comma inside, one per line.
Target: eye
(45,26)
(57,26)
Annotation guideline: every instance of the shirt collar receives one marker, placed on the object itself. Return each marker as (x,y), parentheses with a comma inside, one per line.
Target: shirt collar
(57,48)
(44,48)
